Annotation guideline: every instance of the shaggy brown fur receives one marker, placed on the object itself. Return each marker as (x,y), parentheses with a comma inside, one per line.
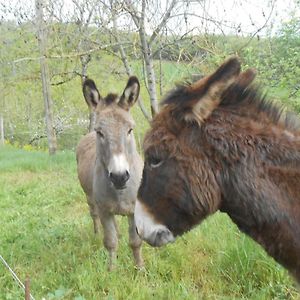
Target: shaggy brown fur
(218,144)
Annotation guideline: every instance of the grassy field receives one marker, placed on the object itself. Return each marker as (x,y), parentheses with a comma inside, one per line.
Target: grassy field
(46,232)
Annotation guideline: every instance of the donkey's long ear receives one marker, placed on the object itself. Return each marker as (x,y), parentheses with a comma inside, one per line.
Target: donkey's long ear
(239,87)
(130,93)
(91,93)
(195,102)
(246,78)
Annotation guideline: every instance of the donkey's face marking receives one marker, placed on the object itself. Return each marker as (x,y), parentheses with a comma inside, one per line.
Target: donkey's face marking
(153,232)
(115,142)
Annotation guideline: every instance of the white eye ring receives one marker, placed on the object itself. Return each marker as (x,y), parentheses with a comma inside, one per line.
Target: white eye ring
(153,165)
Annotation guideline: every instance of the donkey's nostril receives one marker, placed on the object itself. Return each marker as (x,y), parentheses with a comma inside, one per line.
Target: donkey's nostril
(137,231)
(127,175)
(119,179)
(162,237)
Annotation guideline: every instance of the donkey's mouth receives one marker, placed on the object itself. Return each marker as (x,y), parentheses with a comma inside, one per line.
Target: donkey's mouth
(120,187)
(148,229)
(157,238)
(119,180)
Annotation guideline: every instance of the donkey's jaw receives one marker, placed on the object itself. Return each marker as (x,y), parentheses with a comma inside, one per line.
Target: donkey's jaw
(148,229)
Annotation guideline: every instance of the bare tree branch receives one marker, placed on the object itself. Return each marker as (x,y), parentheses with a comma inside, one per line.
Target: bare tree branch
(260,28)
(125,60)
(72,55)
(163,22)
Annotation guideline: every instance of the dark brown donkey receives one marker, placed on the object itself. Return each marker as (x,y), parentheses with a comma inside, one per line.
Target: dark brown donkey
(109,166)
(217,144)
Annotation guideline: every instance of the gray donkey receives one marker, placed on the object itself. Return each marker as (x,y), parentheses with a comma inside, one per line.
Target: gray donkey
(109,166)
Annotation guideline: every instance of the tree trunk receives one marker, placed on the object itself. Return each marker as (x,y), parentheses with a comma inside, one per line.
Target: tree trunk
(1,131)
(129,73)
(125,60)
(160,74)
(149,70)
(85,59)
(146,49)
(41,32)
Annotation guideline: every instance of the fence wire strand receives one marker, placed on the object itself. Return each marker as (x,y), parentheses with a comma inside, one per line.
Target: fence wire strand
(14,275)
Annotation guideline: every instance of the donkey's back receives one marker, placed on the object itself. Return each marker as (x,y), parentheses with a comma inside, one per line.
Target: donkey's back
(86,157)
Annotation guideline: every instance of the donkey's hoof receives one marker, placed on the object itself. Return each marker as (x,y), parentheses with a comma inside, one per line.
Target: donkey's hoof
(111,267)
(140,268)
(140,265)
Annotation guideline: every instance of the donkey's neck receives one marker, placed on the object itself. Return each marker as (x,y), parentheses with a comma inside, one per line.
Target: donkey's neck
(241,138)
(280,239)
(268,211)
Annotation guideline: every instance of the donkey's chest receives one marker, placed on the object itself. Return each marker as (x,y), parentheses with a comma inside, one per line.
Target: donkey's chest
(118,206)
(120,202)
(112,200)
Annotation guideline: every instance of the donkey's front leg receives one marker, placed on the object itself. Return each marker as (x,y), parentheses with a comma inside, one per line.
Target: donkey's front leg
(94,212)
(135,242)
(110,238)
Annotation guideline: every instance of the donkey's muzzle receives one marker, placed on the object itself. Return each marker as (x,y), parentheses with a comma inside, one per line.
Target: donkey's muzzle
(119,179)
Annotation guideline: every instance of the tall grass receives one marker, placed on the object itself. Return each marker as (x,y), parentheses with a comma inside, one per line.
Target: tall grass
(46,232)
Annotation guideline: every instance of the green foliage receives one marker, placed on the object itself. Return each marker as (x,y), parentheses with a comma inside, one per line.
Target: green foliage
(287,54)
(278,62)
(276,58)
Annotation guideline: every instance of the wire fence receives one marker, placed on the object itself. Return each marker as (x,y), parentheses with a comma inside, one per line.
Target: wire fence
(18,281)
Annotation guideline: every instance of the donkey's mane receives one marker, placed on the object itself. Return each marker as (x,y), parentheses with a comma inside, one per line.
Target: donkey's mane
(110,98)
(238,97)
(256,102)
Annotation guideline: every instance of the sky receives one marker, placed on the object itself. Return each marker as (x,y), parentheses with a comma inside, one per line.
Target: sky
(249,15)
(244,16)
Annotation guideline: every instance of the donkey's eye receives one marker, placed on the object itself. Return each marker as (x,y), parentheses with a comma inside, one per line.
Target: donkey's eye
(130,131)
(155,162)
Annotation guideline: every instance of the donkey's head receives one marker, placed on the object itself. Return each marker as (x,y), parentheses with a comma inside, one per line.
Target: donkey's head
(179,186)
(114,127)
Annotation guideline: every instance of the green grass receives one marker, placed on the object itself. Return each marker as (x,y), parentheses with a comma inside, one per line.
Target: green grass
(46,232)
